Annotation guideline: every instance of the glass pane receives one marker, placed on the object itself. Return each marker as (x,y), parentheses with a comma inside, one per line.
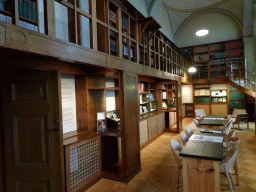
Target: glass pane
(84,5)
(85,31)
(41,16)
(5,18)
(61,21)
(6,5)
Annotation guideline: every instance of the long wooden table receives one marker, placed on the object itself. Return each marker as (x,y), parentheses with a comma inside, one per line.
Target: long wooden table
(213,120)
(200,161)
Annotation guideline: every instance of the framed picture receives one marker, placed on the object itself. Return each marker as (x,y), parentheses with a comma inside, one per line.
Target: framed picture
(102,126)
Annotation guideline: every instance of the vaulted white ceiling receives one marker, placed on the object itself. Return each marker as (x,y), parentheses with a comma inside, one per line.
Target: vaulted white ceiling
(225,19)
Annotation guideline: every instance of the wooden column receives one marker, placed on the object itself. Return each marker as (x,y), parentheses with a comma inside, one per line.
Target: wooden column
(94,27)
(131,139)
(178,105)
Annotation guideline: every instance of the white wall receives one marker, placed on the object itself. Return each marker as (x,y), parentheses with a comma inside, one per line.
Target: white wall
(162,17)
(221,28)
(187,94)
(141,6)
(249,53)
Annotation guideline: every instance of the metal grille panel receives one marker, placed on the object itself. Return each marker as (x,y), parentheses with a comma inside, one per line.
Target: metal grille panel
(83,163)
(161,122)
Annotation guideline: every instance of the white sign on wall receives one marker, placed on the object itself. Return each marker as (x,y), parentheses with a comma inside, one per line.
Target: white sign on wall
(68,96)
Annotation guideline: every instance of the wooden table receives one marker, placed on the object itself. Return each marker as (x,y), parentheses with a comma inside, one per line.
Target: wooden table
(200,161)
(213,120)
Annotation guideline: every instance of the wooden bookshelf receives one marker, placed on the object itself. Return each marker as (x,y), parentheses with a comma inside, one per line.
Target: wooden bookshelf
(217,59)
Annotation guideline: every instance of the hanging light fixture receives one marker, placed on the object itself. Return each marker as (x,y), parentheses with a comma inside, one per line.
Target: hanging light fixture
(191,69)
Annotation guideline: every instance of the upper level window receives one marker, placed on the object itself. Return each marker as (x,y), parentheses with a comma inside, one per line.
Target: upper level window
(66,17)
(30,14)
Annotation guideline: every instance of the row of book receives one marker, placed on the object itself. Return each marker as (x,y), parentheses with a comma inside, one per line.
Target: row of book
(28,9)
(202,100)
(236,105)
(236,95)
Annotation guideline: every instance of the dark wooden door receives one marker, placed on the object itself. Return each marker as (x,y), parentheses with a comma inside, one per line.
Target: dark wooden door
(32,132)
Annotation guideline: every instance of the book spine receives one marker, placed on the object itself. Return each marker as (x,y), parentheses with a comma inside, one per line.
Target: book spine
(21,8)
(26,9)
(30,10)
(34,6)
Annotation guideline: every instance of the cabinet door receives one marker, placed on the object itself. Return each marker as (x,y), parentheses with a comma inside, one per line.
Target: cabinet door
(32,128)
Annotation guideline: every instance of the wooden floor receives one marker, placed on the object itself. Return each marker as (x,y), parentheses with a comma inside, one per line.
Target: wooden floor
(158,167)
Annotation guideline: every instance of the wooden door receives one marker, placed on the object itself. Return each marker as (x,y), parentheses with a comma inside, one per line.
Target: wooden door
(32,131)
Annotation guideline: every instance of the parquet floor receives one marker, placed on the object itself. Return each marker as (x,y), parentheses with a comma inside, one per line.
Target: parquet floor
(158,167)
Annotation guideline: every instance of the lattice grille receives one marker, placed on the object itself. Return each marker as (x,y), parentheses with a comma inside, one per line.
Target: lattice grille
(152,126)
(84,162)
(161,122)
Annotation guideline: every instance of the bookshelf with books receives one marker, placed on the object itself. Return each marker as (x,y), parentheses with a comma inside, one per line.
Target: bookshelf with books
(215,60)
(153,92)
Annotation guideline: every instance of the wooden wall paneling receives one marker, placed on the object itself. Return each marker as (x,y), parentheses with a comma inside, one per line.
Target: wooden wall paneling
(206,108)
(161,122)
(81,103)
(183,111)
(32,163)
(1,137)
(152,127)
(131,124)
(143,131)
(219,109)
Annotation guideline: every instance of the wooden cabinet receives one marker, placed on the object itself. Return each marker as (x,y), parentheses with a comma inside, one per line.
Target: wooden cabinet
(189,110)
(213,98)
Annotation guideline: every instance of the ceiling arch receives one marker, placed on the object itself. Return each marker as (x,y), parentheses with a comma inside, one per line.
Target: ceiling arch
(193,5)
(222,26)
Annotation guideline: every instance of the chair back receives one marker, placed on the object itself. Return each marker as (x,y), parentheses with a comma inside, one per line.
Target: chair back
(233,141)
(200,112)
(238,111)
(231,134)
(230,158)
(189,131)
(228,127)
(197,123)
(176,147)
(184,137)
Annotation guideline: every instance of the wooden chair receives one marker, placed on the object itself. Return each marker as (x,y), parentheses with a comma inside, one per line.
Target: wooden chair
(226,166)
(240,115)
(176,147)
(184,137)
(189,131)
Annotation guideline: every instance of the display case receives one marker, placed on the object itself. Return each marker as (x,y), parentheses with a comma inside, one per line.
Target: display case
(219,96)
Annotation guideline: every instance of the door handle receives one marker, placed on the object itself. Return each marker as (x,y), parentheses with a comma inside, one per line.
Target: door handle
(55,129)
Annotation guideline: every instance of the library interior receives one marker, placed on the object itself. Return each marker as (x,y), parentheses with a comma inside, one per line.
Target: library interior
(126,95)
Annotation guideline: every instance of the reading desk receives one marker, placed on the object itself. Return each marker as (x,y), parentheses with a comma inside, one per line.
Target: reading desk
(201,156)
